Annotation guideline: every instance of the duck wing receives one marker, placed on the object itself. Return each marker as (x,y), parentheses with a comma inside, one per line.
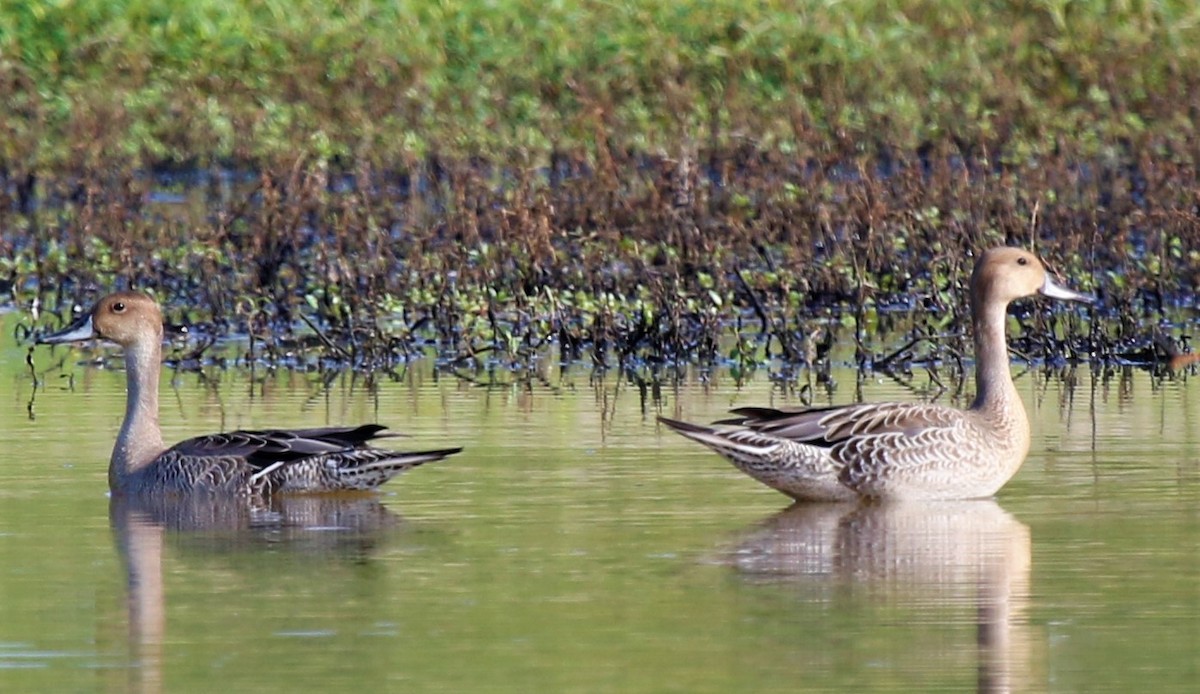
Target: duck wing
(297,460)
(802,426)
(262,449)
(830,426)
(881,446)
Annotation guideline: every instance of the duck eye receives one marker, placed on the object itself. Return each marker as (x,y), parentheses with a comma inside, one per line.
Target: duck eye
(118,307)
(1022,261)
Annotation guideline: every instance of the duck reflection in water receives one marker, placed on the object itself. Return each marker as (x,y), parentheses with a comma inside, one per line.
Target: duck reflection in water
(934,558)
(337,527)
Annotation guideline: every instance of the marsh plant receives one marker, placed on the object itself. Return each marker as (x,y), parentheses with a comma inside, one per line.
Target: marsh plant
(640,183)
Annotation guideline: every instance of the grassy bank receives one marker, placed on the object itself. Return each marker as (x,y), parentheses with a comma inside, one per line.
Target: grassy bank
(625,182)
(95,81)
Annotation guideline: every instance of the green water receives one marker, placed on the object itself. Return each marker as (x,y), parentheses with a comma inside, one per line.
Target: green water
(575,546)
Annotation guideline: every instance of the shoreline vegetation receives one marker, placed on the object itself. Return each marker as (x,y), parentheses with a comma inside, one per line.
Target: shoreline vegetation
(622,183)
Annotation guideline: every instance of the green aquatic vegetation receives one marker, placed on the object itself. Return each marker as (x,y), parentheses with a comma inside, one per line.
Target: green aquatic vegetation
(150,80)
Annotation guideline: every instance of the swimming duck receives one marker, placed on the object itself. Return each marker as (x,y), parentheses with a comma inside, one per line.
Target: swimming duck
(902,450)
(327,459)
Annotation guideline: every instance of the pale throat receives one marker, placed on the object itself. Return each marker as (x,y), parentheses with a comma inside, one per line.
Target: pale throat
(992,367)
(140,440)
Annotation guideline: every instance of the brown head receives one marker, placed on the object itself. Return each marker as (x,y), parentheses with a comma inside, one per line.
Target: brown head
(1006,274)
(125,318)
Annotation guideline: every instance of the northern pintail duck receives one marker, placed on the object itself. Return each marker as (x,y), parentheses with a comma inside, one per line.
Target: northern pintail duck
(239,462)
(902,450)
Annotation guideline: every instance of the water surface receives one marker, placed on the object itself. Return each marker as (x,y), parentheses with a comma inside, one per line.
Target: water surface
(576,546)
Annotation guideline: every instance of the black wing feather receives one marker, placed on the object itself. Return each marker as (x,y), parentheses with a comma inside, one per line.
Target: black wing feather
(261,449)
(800,425)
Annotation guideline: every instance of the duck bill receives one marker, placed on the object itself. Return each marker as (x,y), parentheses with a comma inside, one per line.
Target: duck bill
(78,331)
(1054,290)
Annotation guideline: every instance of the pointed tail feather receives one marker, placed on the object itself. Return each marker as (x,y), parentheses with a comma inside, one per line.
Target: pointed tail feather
(740,444)
(412,458)
(374,466)
(398,461)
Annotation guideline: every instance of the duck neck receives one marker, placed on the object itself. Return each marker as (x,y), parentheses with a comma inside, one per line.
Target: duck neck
(140,440)
(993,379)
